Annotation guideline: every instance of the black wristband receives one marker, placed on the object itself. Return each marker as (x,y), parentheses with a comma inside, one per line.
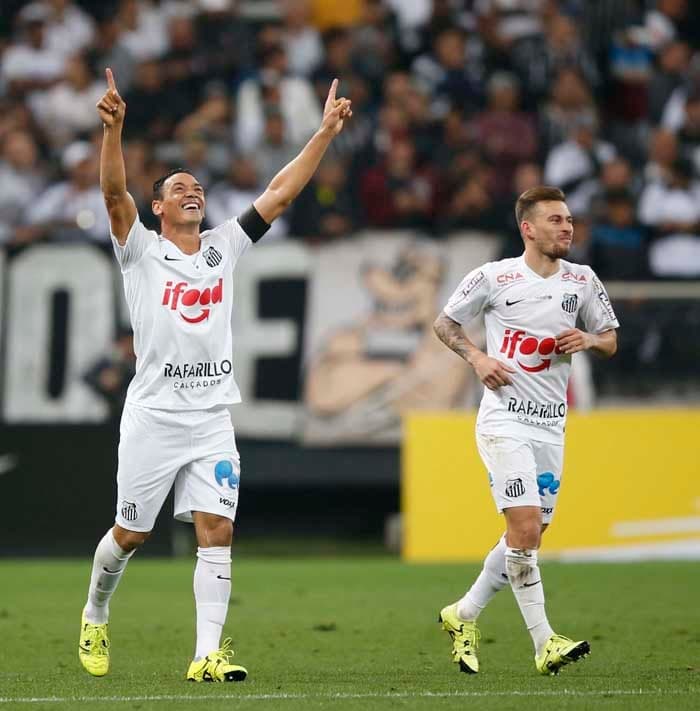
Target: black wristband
(253,224)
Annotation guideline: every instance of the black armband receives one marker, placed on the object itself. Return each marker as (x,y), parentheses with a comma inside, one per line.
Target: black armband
(253,224)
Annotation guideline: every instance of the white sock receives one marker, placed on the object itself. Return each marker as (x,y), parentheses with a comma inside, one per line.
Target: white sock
(524,575)
(492,578)
(212,589)
(107,568)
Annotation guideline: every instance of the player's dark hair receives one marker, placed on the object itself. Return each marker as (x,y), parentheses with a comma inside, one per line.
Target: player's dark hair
(530,198)
(158,185)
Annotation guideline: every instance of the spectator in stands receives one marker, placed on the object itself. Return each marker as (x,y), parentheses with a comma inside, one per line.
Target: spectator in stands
(154,110)
(503,23)
(570,100)
(302,40)
(325,209)
(574,166)
(235,194)
(399,193)
(672,209)
(21,178)
(444,73)
(273,89)
(506,135)
(472,206)
(618,240)
(337,62)
(689,133)
(663,153)
(68,108)
(631,66)
(375,43)
(109,51)
(138,155)
(69,29)
(184,64)
(538,58)
(30,64)
(72,209)
(145,32)
(274,149)
(111,374)
(671,66)
(616,176)
(665,22)
(227,40)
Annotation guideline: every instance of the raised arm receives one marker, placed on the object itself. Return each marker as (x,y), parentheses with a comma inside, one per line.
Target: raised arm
(120,205)
(492,372)
(290,181)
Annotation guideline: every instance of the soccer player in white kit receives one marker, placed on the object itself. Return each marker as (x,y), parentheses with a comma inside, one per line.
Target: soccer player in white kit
(176,428)
(531,305)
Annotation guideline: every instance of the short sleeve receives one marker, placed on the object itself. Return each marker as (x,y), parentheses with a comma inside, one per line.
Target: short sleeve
(137,244)
(471,297)
(235,235)
(597,312)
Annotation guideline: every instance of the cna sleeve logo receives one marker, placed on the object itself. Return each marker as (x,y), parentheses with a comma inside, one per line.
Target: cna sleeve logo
(509,277)
(193,305)
(519,343)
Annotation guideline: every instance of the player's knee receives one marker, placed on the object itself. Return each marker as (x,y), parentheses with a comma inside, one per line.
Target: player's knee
(214,531)
(525,534)
(129,540)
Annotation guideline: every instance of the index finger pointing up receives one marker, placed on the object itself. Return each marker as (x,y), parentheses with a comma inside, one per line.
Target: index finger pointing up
(331,92)
(110,79)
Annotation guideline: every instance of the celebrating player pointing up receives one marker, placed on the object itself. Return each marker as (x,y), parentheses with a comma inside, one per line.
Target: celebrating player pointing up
(531,306)
(176,428)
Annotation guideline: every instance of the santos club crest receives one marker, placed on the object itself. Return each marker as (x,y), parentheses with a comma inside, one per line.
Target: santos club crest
(569,303)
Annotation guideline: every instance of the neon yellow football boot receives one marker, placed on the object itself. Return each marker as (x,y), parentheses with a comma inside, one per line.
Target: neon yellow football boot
(216,666)
(558,652)
(93,649)
(465,639)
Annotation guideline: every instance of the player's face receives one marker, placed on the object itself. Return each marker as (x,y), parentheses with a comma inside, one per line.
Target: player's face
(183,200)
(550,229)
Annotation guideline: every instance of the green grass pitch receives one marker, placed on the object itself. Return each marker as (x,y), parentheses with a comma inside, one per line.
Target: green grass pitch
(351,633)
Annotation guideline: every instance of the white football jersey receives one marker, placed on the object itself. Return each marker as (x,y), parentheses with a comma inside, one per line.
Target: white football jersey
(180,307)
(523,312)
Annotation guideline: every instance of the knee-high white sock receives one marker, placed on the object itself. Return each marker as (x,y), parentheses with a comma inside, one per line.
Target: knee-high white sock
(492,578)
(212,589)
(107,568)
(524,576)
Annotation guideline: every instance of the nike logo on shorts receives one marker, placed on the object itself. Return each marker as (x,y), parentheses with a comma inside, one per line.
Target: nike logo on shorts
(508,303)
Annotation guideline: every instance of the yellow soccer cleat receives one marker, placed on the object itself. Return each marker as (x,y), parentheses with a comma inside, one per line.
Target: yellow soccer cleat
(465,639)
(93,649)
(217,666)
(558,652)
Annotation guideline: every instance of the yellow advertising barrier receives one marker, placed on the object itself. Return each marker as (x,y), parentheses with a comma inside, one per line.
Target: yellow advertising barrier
(630,488)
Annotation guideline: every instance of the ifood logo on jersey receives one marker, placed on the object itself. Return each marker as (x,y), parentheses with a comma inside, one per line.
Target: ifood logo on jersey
(192,304)
(518,343)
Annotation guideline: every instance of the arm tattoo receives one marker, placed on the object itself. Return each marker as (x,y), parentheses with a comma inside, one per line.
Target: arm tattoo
(452,335)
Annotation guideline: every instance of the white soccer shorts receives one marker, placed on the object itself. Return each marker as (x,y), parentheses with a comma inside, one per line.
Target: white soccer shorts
(522,472)
(193,450)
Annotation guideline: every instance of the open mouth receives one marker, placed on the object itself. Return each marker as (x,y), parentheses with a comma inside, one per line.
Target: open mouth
(191,206)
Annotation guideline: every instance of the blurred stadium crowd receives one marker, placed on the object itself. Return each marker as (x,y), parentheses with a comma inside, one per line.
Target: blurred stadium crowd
(458,107)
